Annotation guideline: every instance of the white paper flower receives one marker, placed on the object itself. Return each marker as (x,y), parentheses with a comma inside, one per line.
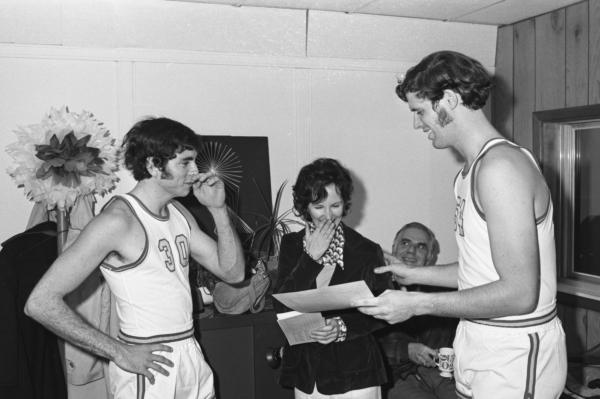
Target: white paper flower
(64,156)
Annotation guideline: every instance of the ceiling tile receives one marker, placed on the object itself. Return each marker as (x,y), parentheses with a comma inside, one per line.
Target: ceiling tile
(427,9)
(492,12)
(324,5)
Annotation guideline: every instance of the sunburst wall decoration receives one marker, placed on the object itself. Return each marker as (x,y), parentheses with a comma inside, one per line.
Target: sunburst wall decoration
(220,159)
(242,163)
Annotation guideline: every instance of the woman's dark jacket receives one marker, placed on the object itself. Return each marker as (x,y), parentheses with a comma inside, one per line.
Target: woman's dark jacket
(337,367)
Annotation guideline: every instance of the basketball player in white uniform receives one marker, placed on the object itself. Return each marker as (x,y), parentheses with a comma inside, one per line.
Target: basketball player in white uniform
(143,241)
(509,343)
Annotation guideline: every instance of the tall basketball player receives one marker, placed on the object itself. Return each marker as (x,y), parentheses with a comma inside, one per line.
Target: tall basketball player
(509,343)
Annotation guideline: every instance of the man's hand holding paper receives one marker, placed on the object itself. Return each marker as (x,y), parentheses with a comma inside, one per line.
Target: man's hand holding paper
(331,297)
(393,306)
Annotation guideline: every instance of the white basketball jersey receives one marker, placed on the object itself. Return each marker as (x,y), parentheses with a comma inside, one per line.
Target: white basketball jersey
(475,265)
(153,293)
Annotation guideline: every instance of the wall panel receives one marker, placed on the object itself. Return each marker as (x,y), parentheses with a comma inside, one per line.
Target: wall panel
(502,94)
(577,35)
(550,60)
(594,52)
(524,81)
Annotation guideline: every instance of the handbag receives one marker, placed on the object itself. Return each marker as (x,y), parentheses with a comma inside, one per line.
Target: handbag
(249,295)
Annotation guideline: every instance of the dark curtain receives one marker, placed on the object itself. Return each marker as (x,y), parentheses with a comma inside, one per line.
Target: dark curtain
(30,365)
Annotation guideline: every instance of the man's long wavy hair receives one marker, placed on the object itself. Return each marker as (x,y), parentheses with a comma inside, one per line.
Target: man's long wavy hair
(447,70)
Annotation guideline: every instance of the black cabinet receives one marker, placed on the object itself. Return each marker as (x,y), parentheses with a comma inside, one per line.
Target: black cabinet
(236,347)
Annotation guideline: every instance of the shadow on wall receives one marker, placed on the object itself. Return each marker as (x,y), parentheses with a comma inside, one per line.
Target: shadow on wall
(359,199)
(502,93)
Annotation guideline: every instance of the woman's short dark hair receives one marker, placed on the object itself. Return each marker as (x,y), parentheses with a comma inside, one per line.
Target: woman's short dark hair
(312,180)
(159,138)
(447,70)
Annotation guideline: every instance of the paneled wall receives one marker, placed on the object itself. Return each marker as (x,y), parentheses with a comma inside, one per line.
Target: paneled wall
(550,61)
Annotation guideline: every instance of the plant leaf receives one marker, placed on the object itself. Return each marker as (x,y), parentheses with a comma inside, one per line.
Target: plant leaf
(262,195)
(238,222)
(278,199)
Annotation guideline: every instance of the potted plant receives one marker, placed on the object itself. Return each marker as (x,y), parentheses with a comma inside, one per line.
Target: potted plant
(266,238)
(263,251)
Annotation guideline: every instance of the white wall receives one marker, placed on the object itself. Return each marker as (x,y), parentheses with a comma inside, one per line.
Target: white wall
(323,91)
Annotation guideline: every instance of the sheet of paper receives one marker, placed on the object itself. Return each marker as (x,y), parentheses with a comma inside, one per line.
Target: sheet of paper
(297,326)
(325,298)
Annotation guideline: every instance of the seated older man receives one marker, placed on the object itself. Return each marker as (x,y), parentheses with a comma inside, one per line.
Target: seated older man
(410,347)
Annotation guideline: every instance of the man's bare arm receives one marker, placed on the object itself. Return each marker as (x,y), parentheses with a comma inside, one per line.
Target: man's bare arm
(438,275)
(224,258)
(229,247)
(46,303)
(506,186)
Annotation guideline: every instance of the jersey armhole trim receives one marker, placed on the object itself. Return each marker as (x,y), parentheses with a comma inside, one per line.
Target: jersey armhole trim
(529,155)
(473,196)
(544,214)
(144,253)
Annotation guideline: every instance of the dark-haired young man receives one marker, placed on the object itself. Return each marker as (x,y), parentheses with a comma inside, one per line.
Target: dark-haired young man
(142,242)
(509,343)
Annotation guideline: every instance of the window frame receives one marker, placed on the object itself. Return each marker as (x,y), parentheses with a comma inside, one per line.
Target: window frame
(559,165)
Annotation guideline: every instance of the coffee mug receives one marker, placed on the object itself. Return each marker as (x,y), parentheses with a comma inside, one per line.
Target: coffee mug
(445,362)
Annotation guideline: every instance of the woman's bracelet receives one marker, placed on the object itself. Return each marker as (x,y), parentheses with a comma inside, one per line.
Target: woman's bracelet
(342,329)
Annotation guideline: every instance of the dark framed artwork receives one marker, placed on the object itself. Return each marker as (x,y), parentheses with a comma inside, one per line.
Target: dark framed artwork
(243,164)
